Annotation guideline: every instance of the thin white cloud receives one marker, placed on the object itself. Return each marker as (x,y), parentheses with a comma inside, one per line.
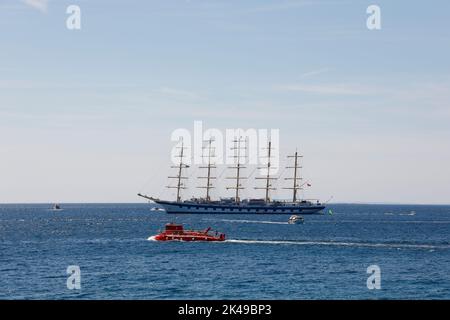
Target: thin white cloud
(314,72)
(178,93)
(34,84)
(283,5)
(294,4)
(41,5)
(333,89)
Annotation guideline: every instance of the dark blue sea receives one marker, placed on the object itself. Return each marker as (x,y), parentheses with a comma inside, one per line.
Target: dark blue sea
(265,258)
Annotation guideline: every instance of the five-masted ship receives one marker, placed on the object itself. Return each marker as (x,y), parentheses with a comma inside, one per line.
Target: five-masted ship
(236,205)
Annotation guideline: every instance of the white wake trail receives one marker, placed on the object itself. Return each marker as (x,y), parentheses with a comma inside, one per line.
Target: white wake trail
(341,244)
(254,221)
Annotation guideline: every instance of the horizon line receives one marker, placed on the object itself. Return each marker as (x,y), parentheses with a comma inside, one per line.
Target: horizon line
(147,203)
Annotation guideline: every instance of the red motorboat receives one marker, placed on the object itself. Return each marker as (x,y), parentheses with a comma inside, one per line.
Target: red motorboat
(176,232)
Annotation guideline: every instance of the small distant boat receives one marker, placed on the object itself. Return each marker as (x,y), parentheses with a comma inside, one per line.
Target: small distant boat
(296,219)
(56,207)
(176,232)
(411,213)
(157,209)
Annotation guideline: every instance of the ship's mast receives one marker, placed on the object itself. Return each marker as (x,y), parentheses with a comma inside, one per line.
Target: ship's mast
(268,177)
(210,166)
(237,155)
(295,179)
(179,177)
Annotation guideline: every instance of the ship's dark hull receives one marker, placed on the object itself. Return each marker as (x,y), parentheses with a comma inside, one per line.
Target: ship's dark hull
(212,208)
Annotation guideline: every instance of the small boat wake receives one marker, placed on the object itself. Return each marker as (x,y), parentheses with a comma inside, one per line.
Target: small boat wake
(341,244)
(411,213)
(430,247)
(254,221)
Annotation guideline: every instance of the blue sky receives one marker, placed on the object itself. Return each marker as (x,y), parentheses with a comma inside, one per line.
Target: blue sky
(86,116)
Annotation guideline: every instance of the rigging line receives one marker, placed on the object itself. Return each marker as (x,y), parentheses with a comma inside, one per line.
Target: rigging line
(282,172)
(152,177)
(141,189)
(221,174)
(164,190)
(278,180)
(193,171)
(251,174)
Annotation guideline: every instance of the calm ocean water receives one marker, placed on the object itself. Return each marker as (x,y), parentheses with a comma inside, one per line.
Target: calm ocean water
(325,258)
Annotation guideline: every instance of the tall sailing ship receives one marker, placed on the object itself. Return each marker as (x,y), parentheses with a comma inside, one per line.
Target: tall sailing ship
(236,205)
